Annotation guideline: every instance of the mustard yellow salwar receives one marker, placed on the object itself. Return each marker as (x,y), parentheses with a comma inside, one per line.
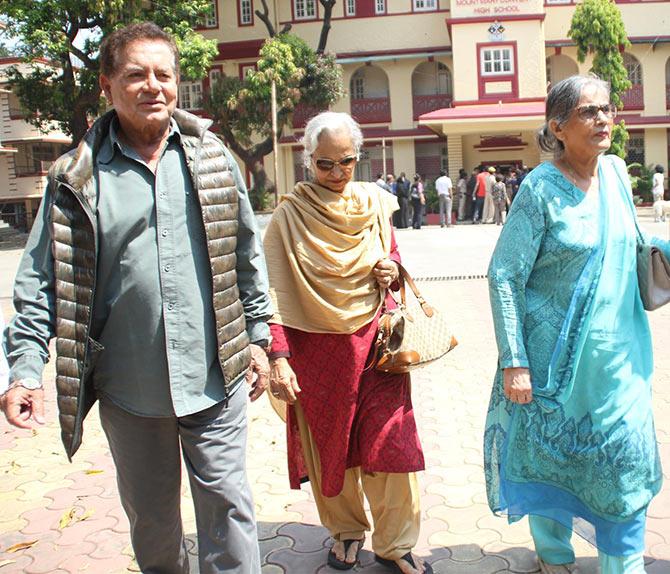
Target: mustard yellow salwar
(393,499)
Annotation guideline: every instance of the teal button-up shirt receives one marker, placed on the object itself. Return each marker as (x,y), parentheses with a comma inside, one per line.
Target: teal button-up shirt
(153,301)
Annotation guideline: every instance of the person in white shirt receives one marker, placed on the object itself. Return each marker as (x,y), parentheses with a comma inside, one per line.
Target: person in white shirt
(4,367)
(657,192)
(443,186)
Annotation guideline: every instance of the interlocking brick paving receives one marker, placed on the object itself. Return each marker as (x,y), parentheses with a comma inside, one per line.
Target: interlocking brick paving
(38,487)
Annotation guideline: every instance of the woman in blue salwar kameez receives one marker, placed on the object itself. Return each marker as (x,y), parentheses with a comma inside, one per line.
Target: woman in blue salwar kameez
(570,437)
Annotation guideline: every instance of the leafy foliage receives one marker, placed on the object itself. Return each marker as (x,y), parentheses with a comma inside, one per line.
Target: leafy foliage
(242,108)
(597,28)
(59,39)
(619,139)
(641,180)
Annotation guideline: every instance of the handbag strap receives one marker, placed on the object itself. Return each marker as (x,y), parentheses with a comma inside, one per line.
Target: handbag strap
(406,277)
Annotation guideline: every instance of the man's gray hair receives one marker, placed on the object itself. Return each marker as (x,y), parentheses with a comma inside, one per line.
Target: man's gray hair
(562,99)
(329,122)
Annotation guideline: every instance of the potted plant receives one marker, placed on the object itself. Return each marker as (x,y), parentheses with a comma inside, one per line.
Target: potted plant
(641,182)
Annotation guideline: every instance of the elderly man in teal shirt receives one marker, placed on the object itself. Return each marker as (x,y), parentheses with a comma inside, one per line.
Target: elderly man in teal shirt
(146,264)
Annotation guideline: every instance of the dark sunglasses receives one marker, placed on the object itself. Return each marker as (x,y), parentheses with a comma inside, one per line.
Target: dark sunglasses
(590,112)
(346,163)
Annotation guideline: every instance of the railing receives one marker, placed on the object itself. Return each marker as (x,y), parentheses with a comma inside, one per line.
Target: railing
(371,110)
(425,104)
(35,167)
(302,114)
(633,98)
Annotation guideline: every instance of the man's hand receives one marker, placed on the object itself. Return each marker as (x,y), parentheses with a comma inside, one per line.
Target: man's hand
(283,382)
(261,366)
(517,385)
(20,405)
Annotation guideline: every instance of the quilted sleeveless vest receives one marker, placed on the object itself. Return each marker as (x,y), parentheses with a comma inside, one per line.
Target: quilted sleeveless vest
(75,250)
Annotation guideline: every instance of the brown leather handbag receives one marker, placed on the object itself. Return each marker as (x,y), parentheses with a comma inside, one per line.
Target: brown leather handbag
(409,338)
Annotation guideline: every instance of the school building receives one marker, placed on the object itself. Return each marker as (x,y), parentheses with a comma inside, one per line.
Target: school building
(449,83)
(435,84)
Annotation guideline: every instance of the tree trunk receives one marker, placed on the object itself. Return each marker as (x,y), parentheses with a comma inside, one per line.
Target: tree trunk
(258,193)
(78,126)
(325,27)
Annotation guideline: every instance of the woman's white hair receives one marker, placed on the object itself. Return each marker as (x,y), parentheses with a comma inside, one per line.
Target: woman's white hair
(329,122)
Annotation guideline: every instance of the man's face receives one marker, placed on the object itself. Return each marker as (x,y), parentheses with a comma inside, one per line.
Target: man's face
(143,89)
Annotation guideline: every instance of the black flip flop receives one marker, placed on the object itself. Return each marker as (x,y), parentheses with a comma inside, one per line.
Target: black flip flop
(338,564)
(391,564)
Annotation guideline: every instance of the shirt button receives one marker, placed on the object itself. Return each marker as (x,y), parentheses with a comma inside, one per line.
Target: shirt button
(161,195)
(170,306)
(167,268)
(164,233)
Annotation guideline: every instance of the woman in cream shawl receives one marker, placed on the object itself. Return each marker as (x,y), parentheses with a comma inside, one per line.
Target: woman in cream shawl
(331,257)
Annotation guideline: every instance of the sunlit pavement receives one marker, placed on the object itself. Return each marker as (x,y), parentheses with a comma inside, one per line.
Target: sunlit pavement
(61,517)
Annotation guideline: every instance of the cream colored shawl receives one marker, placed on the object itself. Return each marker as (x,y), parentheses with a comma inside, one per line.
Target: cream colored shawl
(320,248)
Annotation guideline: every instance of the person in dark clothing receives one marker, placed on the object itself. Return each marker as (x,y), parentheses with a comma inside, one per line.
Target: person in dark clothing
(402,193)
(418,201)
(470,194)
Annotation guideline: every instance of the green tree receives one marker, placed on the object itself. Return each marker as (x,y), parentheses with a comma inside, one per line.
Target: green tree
(241,109)
(597,28)
(67,33)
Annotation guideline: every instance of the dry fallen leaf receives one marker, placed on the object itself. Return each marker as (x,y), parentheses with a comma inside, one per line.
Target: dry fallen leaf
(67,518)
(20,546)
(70,517)
(87,514)
(94,471)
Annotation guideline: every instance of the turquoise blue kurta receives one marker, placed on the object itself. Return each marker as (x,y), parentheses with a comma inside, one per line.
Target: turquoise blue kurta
(566,305)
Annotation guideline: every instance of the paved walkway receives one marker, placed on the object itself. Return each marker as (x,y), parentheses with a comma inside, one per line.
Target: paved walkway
(69,519)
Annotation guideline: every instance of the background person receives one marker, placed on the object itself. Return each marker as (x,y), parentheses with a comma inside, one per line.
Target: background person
(381,182)
(489,209)
(512,185)
(351,430)
(471,199)
(418,201)
(658,191)
(461,193)
(444,188)
(500,200)
(402,193)
(152,316)
(569,436)
(480,195)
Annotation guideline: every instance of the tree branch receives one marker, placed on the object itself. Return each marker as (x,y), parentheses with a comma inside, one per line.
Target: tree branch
(325,27)
(263,148)
(90,64)
(264,16)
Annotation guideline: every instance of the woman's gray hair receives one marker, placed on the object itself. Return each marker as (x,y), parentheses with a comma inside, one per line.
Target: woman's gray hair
(562,99)
(329,122)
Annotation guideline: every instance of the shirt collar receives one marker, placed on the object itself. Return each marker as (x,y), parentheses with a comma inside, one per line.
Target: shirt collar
(113,142)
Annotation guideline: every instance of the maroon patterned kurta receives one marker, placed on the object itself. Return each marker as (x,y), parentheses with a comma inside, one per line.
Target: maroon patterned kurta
(357,417)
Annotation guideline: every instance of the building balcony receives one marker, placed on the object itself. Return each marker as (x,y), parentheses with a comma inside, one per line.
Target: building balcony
(302,114)
(633,98)
(424,104)
(371,110)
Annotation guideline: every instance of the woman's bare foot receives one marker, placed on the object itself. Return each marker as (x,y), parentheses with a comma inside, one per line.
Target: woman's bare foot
(349,557)
(406,567)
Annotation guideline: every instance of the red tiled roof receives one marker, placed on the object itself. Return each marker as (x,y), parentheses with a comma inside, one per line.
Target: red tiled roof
(483,111)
